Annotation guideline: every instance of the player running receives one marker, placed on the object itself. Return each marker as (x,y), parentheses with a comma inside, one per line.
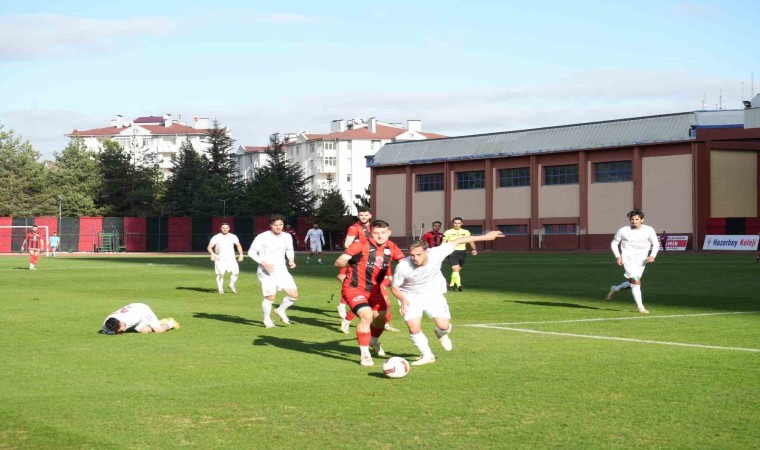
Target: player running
(368,268)
(359,231)
(273,251)
(222,251)
(420,286)
(634,246)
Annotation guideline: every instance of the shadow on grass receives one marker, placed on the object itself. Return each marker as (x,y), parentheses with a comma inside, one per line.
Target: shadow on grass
(338,349)
(228,318)
(561,305)
(196,289)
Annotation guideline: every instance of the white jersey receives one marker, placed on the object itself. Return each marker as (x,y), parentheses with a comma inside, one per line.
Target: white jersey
(224,245)
(135,316)
(423,279)
(315,235)
(635,243)
(272,249)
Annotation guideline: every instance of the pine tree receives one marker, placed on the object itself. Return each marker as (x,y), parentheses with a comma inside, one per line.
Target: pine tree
(131,183)
(221,161)
(75,175)
(363,201)
(188,173)
(332,214)
(22,177)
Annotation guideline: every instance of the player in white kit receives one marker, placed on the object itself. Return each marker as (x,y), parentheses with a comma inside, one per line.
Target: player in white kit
(137,317)
(420,286)
(222,251)
(273,251)
(316,239)
(634,246)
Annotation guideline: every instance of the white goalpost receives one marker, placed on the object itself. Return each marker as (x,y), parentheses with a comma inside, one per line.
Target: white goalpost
(9,234)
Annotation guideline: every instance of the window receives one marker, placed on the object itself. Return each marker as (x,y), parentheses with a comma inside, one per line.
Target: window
(147,142)
(561,174)
(348,178)
(430,182)
(474,229)
(568,228)
(612,172)
(514,230)
(330,160)
(170,139)
(330,145)
(349,144)
(514,177)
(471,180)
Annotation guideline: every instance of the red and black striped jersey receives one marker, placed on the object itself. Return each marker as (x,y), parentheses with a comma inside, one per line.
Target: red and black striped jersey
(34,241)
(359,232)
(370,263)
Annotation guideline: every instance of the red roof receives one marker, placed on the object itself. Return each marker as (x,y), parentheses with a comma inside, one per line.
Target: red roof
(149,119)
(254,149)
(382,132)
(154,129)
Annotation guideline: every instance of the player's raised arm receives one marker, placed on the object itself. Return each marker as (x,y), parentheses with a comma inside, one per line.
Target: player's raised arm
(490,236)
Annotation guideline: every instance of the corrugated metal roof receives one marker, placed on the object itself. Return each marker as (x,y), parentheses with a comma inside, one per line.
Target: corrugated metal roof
(614,133)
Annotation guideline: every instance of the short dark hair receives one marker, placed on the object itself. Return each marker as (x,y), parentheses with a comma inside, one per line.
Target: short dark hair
(275,217)
(635,212)
(223,224)
(419,243)
(437,222)
(379,224)
(362,209)
(113,324)
(456,218)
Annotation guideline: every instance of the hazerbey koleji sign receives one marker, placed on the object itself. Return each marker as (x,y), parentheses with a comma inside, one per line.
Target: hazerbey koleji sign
(731,242)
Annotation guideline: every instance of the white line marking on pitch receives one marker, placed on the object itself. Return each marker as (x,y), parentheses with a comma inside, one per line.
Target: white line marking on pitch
(610,338)
(494,325)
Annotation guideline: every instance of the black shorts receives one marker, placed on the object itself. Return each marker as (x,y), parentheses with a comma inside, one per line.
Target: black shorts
(456,258)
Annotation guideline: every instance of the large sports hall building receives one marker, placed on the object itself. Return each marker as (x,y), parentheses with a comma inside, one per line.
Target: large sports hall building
(570,187)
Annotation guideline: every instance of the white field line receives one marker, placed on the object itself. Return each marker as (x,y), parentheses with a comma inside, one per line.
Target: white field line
(496,325)
(610,338)
(501,326)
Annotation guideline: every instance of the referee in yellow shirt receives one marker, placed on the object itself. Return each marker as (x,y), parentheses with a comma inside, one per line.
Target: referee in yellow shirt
(456,259)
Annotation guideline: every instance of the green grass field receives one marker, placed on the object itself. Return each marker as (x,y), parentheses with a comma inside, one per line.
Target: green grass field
(541,374)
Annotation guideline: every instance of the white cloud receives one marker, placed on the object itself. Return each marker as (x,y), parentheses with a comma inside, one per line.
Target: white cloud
(31,36)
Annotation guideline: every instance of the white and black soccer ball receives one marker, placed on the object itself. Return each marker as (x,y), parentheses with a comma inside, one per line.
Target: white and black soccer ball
(396,367)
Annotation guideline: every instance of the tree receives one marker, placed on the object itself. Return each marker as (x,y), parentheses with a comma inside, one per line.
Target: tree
(131,183)
(363,201)
(188,174)
(75,175)
(332,214)
(219,151)
(280,186)
(22,177)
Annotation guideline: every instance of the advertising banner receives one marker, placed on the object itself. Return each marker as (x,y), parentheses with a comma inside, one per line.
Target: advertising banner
(732,242)
(676,243)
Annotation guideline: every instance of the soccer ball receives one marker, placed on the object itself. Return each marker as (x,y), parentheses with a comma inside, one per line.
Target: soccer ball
(396,367)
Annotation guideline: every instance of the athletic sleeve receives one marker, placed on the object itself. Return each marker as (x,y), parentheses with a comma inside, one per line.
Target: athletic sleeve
(289,251)
(655,242)
(253,252)
(400,274)
(396,253)
(354,249)
(615,245)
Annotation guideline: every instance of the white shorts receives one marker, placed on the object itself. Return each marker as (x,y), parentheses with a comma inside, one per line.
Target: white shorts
(634,268)
(226,265)
(279,281)
(433,305)
(316,247)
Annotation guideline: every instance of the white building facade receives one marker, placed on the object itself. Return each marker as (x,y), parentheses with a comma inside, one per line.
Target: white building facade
(249,160)
(342,154)
(155,135)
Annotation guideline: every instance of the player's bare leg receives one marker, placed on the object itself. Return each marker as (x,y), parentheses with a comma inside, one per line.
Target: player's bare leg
(363,335)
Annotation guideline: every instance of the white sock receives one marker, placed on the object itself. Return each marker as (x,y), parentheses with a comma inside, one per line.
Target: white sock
(287,302)
(233,279)
(220,282)
(266,307)
(319,260)
(421,342)
(622,286)
(636,291)
(441,333)
(364,351)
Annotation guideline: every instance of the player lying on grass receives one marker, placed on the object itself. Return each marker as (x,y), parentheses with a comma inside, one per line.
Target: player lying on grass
(138,318)
(420,286)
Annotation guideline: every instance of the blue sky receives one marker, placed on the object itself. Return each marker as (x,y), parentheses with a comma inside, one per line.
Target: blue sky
(462,67)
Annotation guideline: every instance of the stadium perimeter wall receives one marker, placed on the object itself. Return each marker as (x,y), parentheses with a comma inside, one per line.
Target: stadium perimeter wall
(139,234)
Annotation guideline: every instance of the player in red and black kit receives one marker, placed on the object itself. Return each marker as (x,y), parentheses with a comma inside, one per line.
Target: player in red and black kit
(369,266)
(359,231)
(434,237)
(34,243)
